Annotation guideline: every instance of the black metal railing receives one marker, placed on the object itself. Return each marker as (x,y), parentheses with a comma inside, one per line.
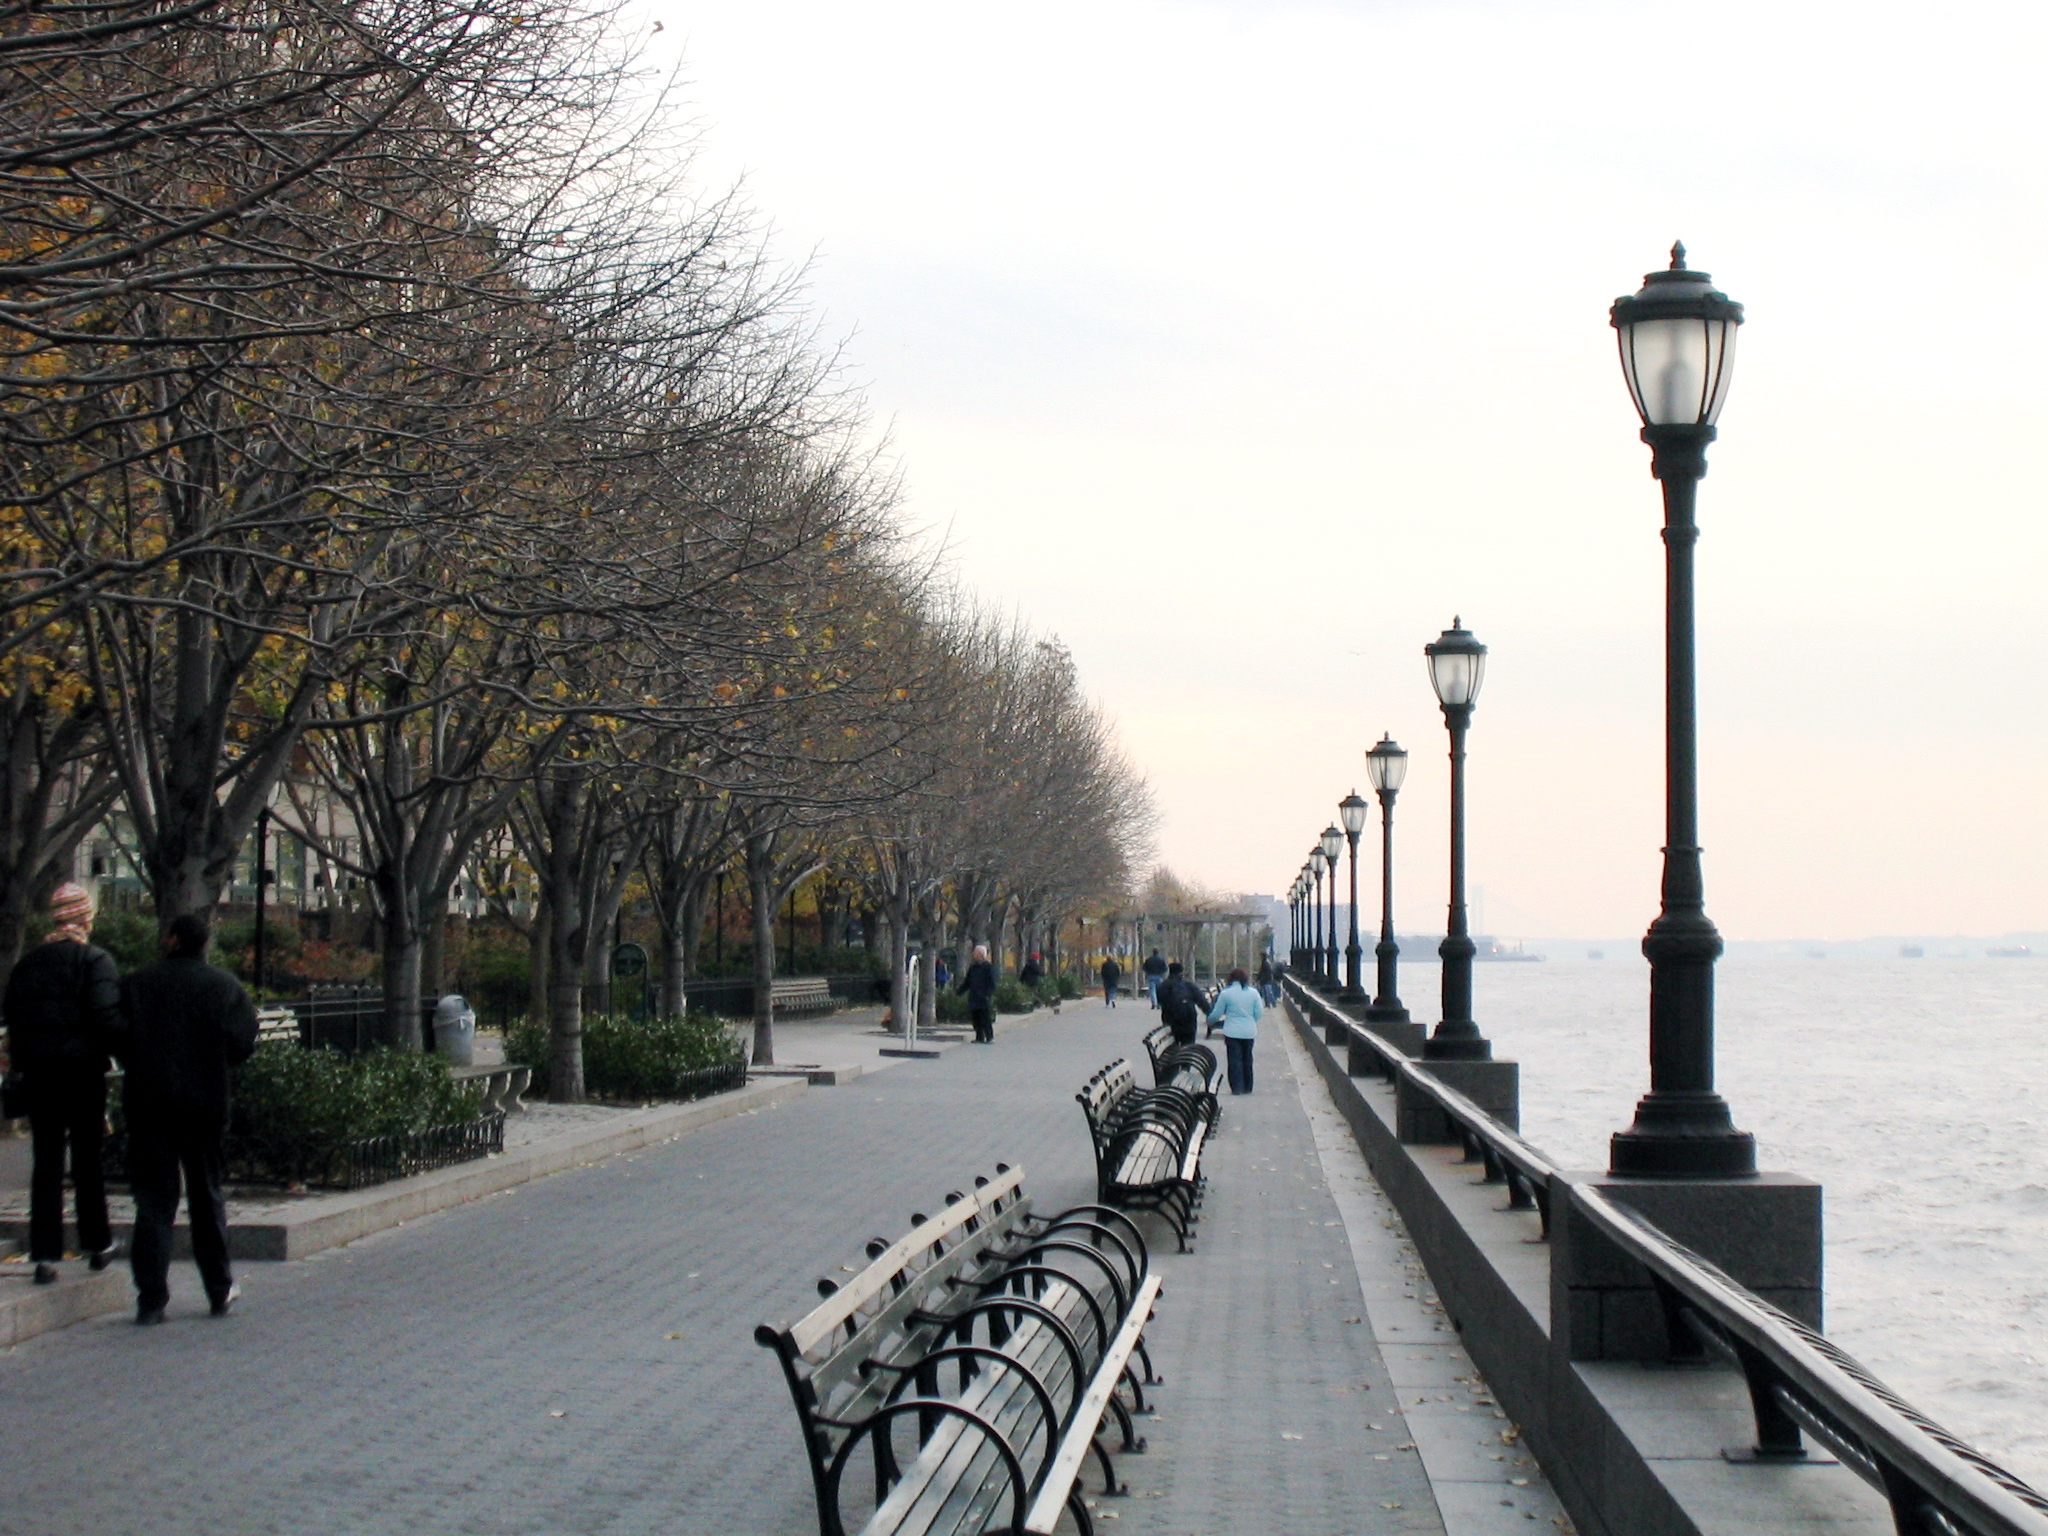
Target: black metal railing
(372,1160)
(1799,1381)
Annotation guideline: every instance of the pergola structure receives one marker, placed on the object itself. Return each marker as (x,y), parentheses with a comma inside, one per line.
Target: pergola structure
(1209,944)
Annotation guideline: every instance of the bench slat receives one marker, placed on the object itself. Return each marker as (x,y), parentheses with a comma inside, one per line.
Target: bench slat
(818,1325)
(1059,1478)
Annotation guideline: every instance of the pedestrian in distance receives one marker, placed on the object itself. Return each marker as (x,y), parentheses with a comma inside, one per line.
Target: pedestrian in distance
(1112,973)
(63,1004)
(980,986)
(1155,976)
(1269,984)
(1033,971)
(184,1023)
(1238,1010)
(942,973)
(1180,1005)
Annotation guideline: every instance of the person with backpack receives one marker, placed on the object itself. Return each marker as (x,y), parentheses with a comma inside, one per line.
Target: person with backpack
(63,1003)
(1180,1005)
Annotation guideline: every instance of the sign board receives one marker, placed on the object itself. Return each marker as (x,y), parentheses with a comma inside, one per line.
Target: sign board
(628,960)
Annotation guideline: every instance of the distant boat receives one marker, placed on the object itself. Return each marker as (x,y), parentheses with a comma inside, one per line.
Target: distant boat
(1910,951)
(2011,952)
(1596,954)
(1492,949)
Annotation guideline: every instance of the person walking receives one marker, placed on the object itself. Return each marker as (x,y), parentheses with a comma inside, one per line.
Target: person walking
(980,986)
(1238,1010)
(1180,1005)
(1033,971)
(184,1023)
(1269,984)
(1155,975)
(1112,973)
(62,1004)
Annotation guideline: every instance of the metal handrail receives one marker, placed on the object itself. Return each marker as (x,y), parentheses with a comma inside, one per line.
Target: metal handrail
(1505,1156)
(1800,1382)
(1799,1379)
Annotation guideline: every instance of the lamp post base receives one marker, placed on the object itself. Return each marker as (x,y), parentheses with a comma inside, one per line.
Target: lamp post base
(1442,1047)
(1682,1135)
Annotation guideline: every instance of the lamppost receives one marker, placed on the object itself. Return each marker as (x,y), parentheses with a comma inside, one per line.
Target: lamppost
(1331,844)
(1387,765)
(1352,811)
(1457,664)
(1316,863)
(1677,338)
(1294,906)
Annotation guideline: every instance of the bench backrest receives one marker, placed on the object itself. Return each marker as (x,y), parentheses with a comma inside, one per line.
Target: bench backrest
(1103,1093)
(889,1310)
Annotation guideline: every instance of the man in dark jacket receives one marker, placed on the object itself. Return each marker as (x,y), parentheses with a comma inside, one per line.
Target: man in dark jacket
(1155,976)
(1112,973)
(62,1006)
(183,1024)
(980,986)
(1181,1005)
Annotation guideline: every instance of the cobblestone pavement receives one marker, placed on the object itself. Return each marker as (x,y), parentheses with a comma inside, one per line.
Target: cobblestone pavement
(575,1355)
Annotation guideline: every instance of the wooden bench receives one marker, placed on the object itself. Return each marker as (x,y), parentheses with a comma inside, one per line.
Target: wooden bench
(971,1367)
(801,994)
(1148,1146)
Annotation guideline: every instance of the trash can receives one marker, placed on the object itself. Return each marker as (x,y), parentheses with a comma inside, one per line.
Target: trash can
(455,1031)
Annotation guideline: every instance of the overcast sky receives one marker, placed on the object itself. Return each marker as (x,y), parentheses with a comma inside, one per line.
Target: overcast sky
(1245,344)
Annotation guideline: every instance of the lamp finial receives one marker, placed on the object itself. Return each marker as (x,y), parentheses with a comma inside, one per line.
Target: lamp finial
(1678,255)
(1457,622)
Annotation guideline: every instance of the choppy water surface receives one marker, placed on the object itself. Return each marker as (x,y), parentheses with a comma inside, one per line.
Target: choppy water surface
(1915,1090)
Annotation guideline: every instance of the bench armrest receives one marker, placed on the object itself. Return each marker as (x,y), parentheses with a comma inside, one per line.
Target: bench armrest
(1065,1465)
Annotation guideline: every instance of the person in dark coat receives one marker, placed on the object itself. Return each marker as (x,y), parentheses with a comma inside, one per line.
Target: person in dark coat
(62,1004)
(184,1023)
(980,986)
(1269,982)
(1181,1005)
(1033,971)
(1155,976)
(1112,973)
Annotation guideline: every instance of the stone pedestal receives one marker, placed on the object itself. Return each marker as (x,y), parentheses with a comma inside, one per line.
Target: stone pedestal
(1764,1231)
(1495,1086)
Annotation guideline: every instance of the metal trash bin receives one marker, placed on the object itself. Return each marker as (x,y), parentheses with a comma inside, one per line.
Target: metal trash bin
(455,1030)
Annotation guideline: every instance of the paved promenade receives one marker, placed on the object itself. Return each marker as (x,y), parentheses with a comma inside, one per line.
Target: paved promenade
(575,1355)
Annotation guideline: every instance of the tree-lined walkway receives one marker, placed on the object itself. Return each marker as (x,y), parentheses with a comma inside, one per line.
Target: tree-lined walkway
(575,1356)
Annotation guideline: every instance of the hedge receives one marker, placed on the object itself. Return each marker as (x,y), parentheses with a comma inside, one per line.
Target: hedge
(639,1059)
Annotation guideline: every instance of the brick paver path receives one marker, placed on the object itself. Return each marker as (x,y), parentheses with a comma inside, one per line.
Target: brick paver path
(575,1355)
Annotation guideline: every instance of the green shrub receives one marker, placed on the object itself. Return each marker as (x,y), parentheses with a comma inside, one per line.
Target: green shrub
(299,1109)
(952,1007)
(129,937)
(1013,997)
(234,948)
(1069,986)
(634,1058)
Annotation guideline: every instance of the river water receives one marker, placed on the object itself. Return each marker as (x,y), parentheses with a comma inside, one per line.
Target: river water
(1916,1091)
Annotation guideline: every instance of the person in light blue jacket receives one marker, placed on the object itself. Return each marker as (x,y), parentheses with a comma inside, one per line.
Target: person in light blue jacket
(1238,1010)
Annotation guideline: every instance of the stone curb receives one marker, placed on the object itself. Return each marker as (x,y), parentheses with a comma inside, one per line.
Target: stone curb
(329,1221)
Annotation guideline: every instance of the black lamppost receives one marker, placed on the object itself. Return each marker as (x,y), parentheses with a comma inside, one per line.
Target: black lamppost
(1677,350)
(1352,811)
(1316,863)
(1387,765)
(1300,940)
(1457,664)
(1330,845)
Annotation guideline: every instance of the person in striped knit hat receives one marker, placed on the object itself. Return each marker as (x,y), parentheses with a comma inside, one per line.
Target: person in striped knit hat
(63,1005)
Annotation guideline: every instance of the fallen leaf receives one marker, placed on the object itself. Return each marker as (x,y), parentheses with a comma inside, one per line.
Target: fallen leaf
(1288,1434)
(558,1413)
(671,1335)
(1519,1482)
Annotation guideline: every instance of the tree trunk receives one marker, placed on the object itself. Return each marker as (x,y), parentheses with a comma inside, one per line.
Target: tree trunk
(899,965)
(763,893)
(928,986)
(537,946)
(434,951)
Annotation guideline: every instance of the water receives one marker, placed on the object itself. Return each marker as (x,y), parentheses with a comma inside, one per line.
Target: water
(1916,1091)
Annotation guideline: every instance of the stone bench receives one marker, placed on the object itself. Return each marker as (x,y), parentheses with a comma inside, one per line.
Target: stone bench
(502,1085)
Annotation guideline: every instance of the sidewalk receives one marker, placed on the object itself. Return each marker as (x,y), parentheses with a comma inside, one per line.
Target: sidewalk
(575,1355)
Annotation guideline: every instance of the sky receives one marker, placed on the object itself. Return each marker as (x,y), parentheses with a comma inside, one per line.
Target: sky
(1243,345)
